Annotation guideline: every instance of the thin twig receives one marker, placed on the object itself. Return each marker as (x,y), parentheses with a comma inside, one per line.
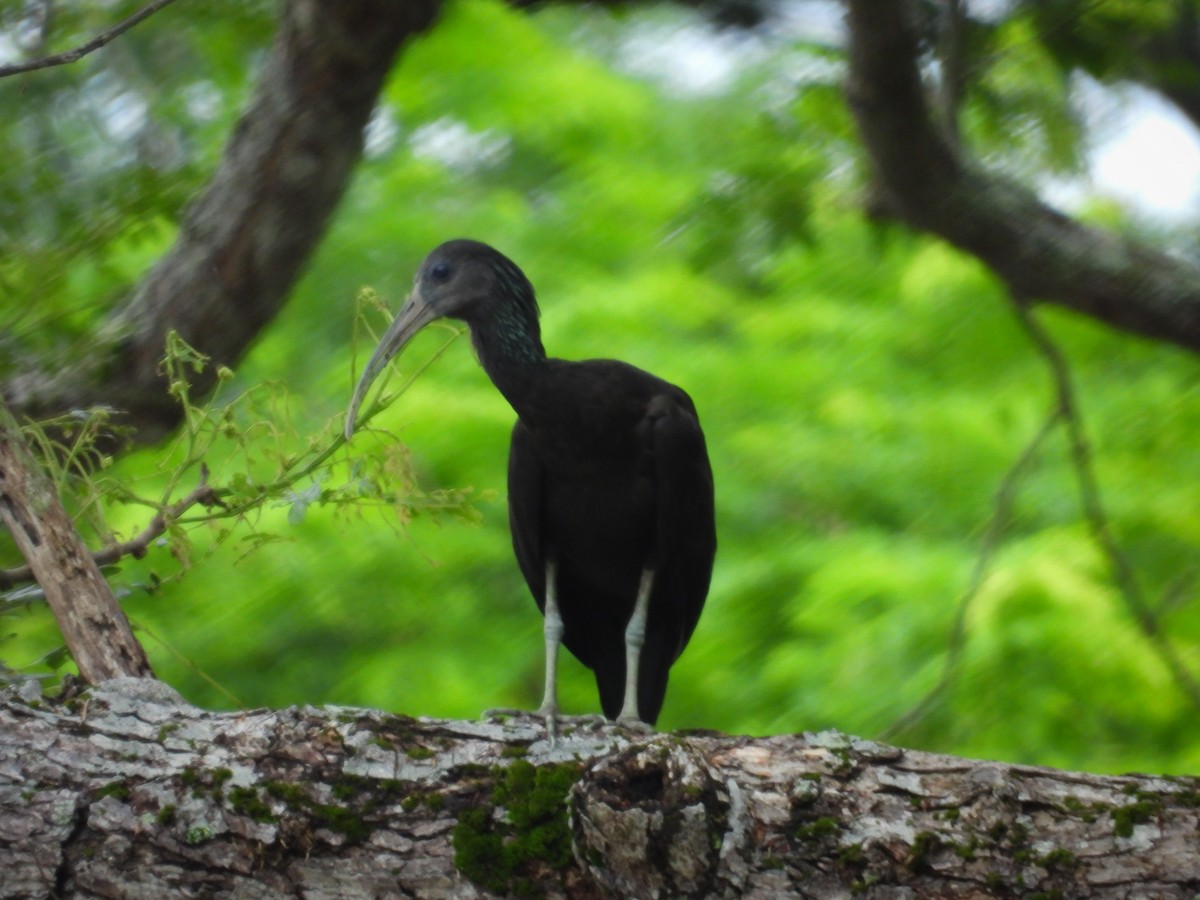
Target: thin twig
(1002,507)
(70,56)
(1093,506)
(137,546)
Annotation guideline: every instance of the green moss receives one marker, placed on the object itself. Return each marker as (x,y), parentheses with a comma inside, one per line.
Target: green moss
(341,819)
(852,855)
(1086,813)
(924,844)
(1189,797)
(118,789)
(360,798)
(245,802)
(514,751)
(967,851)
(198,834)
(291,794)
(496,851)
(1060,859)
(165,731)
(166,815)
(1145,808)
(823,827)
(845,761)
(479,851)
(203,783)
(219,777)
(1047,895)
(419,752)
(346,787)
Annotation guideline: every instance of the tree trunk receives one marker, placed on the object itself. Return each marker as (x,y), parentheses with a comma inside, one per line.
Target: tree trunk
(125,790)
(245,240)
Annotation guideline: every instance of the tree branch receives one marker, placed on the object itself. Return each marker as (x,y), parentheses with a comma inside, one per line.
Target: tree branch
(246,239)
(1002,508)
(1093,506)
(91,621)
(203,495)
(70,56)
(1041,254)
(129,790)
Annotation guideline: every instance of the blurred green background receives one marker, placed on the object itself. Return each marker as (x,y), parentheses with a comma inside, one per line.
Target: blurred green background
(864,391)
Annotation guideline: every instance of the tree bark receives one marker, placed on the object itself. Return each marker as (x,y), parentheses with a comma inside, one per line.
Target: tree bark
(1040,253)
(127,790)
(245,240)
(88,615)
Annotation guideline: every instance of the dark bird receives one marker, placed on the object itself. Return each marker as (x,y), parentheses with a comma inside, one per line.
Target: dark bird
(610,493)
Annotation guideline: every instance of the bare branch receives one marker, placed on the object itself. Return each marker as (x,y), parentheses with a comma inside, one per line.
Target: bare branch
(70,56)
(1093,506)
(203,495)
(91,621)
(991,541)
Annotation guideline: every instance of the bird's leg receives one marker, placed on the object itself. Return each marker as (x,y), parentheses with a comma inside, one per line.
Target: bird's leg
(552,631)
(635,636)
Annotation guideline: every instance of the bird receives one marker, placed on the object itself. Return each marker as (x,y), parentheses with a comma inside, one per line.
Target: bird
(610,489)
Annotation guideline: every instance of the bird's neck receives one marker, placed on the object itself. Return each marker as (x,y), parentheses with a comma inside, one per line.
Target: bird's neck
(509,346)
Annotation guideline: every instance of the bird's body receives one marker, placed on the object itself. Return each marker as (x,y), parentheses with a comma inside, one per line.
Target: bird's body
(610,489)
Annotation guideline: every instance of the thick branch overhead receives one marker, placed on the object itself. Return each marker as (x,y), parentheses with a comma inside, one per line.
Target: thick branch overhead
(1040,253)
(247,237)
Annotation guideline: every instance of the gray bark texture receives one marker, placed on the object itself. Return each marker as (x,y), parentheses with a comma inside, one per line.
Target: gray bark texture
(88,615)
(125,790)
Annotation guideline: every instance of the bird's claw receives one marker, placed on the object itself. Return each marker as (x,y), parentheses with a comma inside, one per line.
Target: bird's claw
(629,723)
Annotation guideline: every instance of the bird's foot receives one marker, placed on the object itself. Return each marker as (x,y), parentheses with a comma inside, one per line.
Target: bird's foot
(634,724)
(549,712)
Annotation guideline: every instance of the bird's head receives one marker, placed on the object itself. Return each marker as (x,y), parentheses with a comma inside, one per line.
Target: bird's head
(464,280)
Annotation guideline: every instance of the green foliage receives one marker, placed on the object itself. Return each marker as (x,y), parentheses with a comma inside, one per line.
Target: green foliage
(863,393)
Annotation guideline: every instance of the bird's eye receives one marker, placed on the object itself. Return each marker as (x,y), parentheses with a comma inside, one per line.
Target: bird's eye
(440,271)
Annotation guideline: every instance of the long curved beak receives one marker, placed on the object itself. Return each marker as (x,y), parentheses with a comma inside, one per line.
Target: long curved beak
(413,316)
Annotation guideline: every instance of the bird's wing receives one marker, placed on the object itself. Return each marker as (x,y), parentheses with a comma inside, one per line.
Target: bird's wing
(525,511)
(686,532)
